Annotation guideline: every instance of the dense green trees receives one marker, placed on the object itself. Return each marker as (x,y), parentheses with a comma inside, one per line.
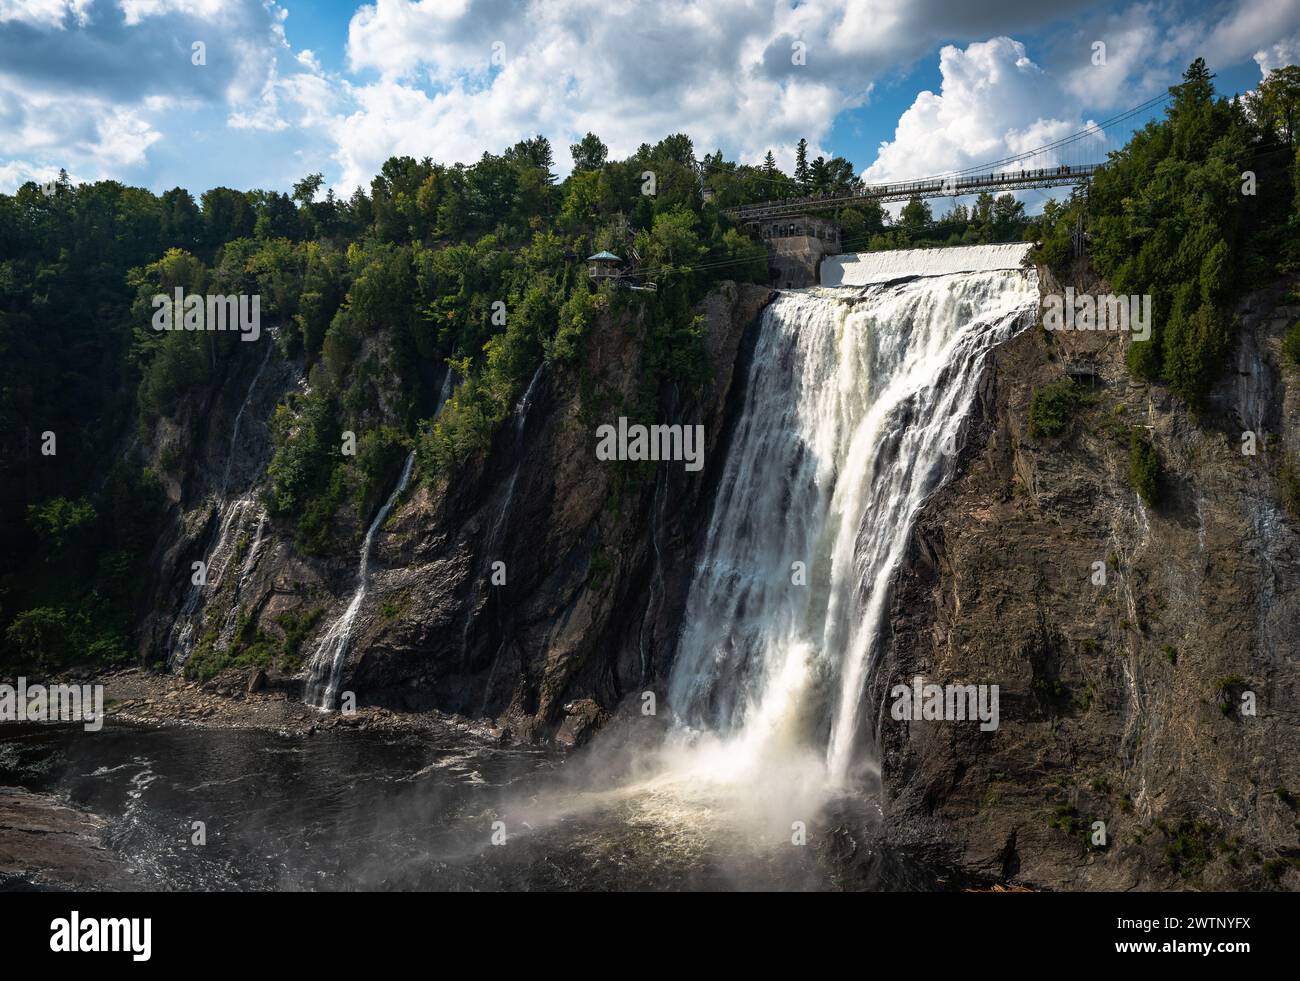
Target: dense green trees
(1167,214)
(1195,207)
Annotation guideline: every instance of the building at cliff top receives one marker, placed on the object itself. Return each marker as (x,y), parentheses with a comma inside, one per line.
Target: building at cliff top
(604,267)
(795,246)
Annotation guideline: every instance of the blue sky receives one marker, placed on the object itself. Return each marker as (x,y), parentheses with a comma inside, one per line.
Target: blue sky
(109,88)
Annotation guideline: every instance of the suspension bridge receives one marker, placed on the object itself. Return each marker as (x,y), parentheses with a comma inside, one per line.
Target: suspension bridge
(1023,171)
(934,187)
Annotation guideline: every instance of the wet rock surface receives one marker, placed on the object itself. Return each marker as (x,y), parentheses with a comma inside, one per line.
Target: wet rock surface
(1120,702)
(46,844)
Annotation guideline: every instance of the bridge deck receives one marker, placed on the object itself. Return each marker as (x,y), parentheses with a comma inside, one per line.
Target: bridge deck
(932,188)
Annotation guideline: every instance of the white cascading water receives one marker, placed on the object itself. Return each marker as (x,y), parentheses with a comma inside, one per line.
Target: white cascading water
(326,668)
(231,522)
(853,410)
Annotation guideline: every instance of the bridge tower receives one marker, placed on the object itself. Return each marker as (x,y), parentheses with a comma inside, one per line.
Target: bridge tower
(795,246)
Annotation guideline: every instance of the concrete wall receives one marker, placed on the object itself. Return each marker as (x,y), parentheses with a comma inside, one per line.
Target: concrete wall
(794,260)
(795,246)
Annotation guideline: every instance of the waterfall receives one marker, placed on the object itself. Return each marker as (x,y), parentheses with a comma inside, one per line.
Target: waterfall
(521,420)
(853,409)
(448,386)
(326,666)
(493,539)
(327,663)
(220,548)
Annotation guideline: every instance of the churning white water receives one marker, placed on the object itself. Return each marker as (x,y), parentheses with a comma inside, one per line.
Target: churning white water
(853,413)
(323,674)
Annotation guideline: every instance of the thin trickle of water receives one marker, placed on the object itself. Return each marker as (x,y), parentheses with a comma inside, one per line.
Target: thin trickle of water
(521,420)
(854,402)
(448,384)
(525,403)
(221,547)
(323,674)
(239,416)
(493,539)
(252,553)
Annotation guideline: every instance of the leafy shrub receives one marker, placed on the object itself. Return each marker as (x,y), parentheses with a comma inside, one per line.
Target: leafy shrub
(379,457)
(1143,468)
(1190,848)
(576,316)
(50,637)
(307,447)
(59,522)
(42,636)
(1052,409)
(1291,345)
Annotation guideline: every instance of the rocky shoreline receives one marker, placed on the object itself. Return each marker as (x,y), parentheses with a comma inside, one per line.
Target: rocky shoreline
(247,699)
(47,844)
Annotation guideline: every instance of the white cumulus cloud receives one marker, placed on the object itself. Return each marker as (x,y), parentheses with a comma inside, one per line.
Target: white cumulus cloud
(994,102)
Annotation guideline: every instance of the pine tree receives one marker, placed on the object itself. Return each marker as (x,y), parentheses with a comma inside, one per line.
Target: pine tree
(801,165)
(818,176)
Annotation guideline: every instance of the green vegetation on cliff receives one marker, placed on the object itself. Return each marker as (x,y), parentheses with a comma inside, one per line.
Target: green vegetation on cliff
(1144,467)
(1193,209)
(1052,408)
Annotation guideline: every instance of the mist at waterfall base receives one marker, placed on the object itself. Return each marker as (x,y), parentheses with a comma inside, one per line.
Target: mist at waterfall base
(852,410)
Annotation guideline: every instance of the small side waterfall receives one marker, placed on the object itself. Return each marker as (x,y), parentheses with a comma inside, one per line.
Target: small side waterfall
(854,404)
(493,539)
(323,674)
(521,420)
(223,543)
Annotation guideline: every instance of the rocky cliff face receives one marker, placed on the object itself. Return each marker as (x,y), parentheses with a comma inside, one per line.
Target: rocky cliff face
(593,563)
(594,556)
(211,459)
(1121,702)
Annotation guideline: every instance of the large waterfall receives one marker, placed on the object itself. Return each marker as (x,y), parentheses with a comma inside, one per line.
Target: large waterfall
(853,412)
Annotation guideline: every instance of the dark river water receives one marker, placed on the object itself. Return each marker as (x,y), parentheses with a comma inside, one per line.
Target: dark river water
(359,810)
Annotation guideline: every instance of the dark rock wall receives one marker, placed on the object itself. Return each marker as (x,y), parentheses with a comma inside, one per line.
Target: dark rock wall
(596,554)
(595,571)
(1119,702)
